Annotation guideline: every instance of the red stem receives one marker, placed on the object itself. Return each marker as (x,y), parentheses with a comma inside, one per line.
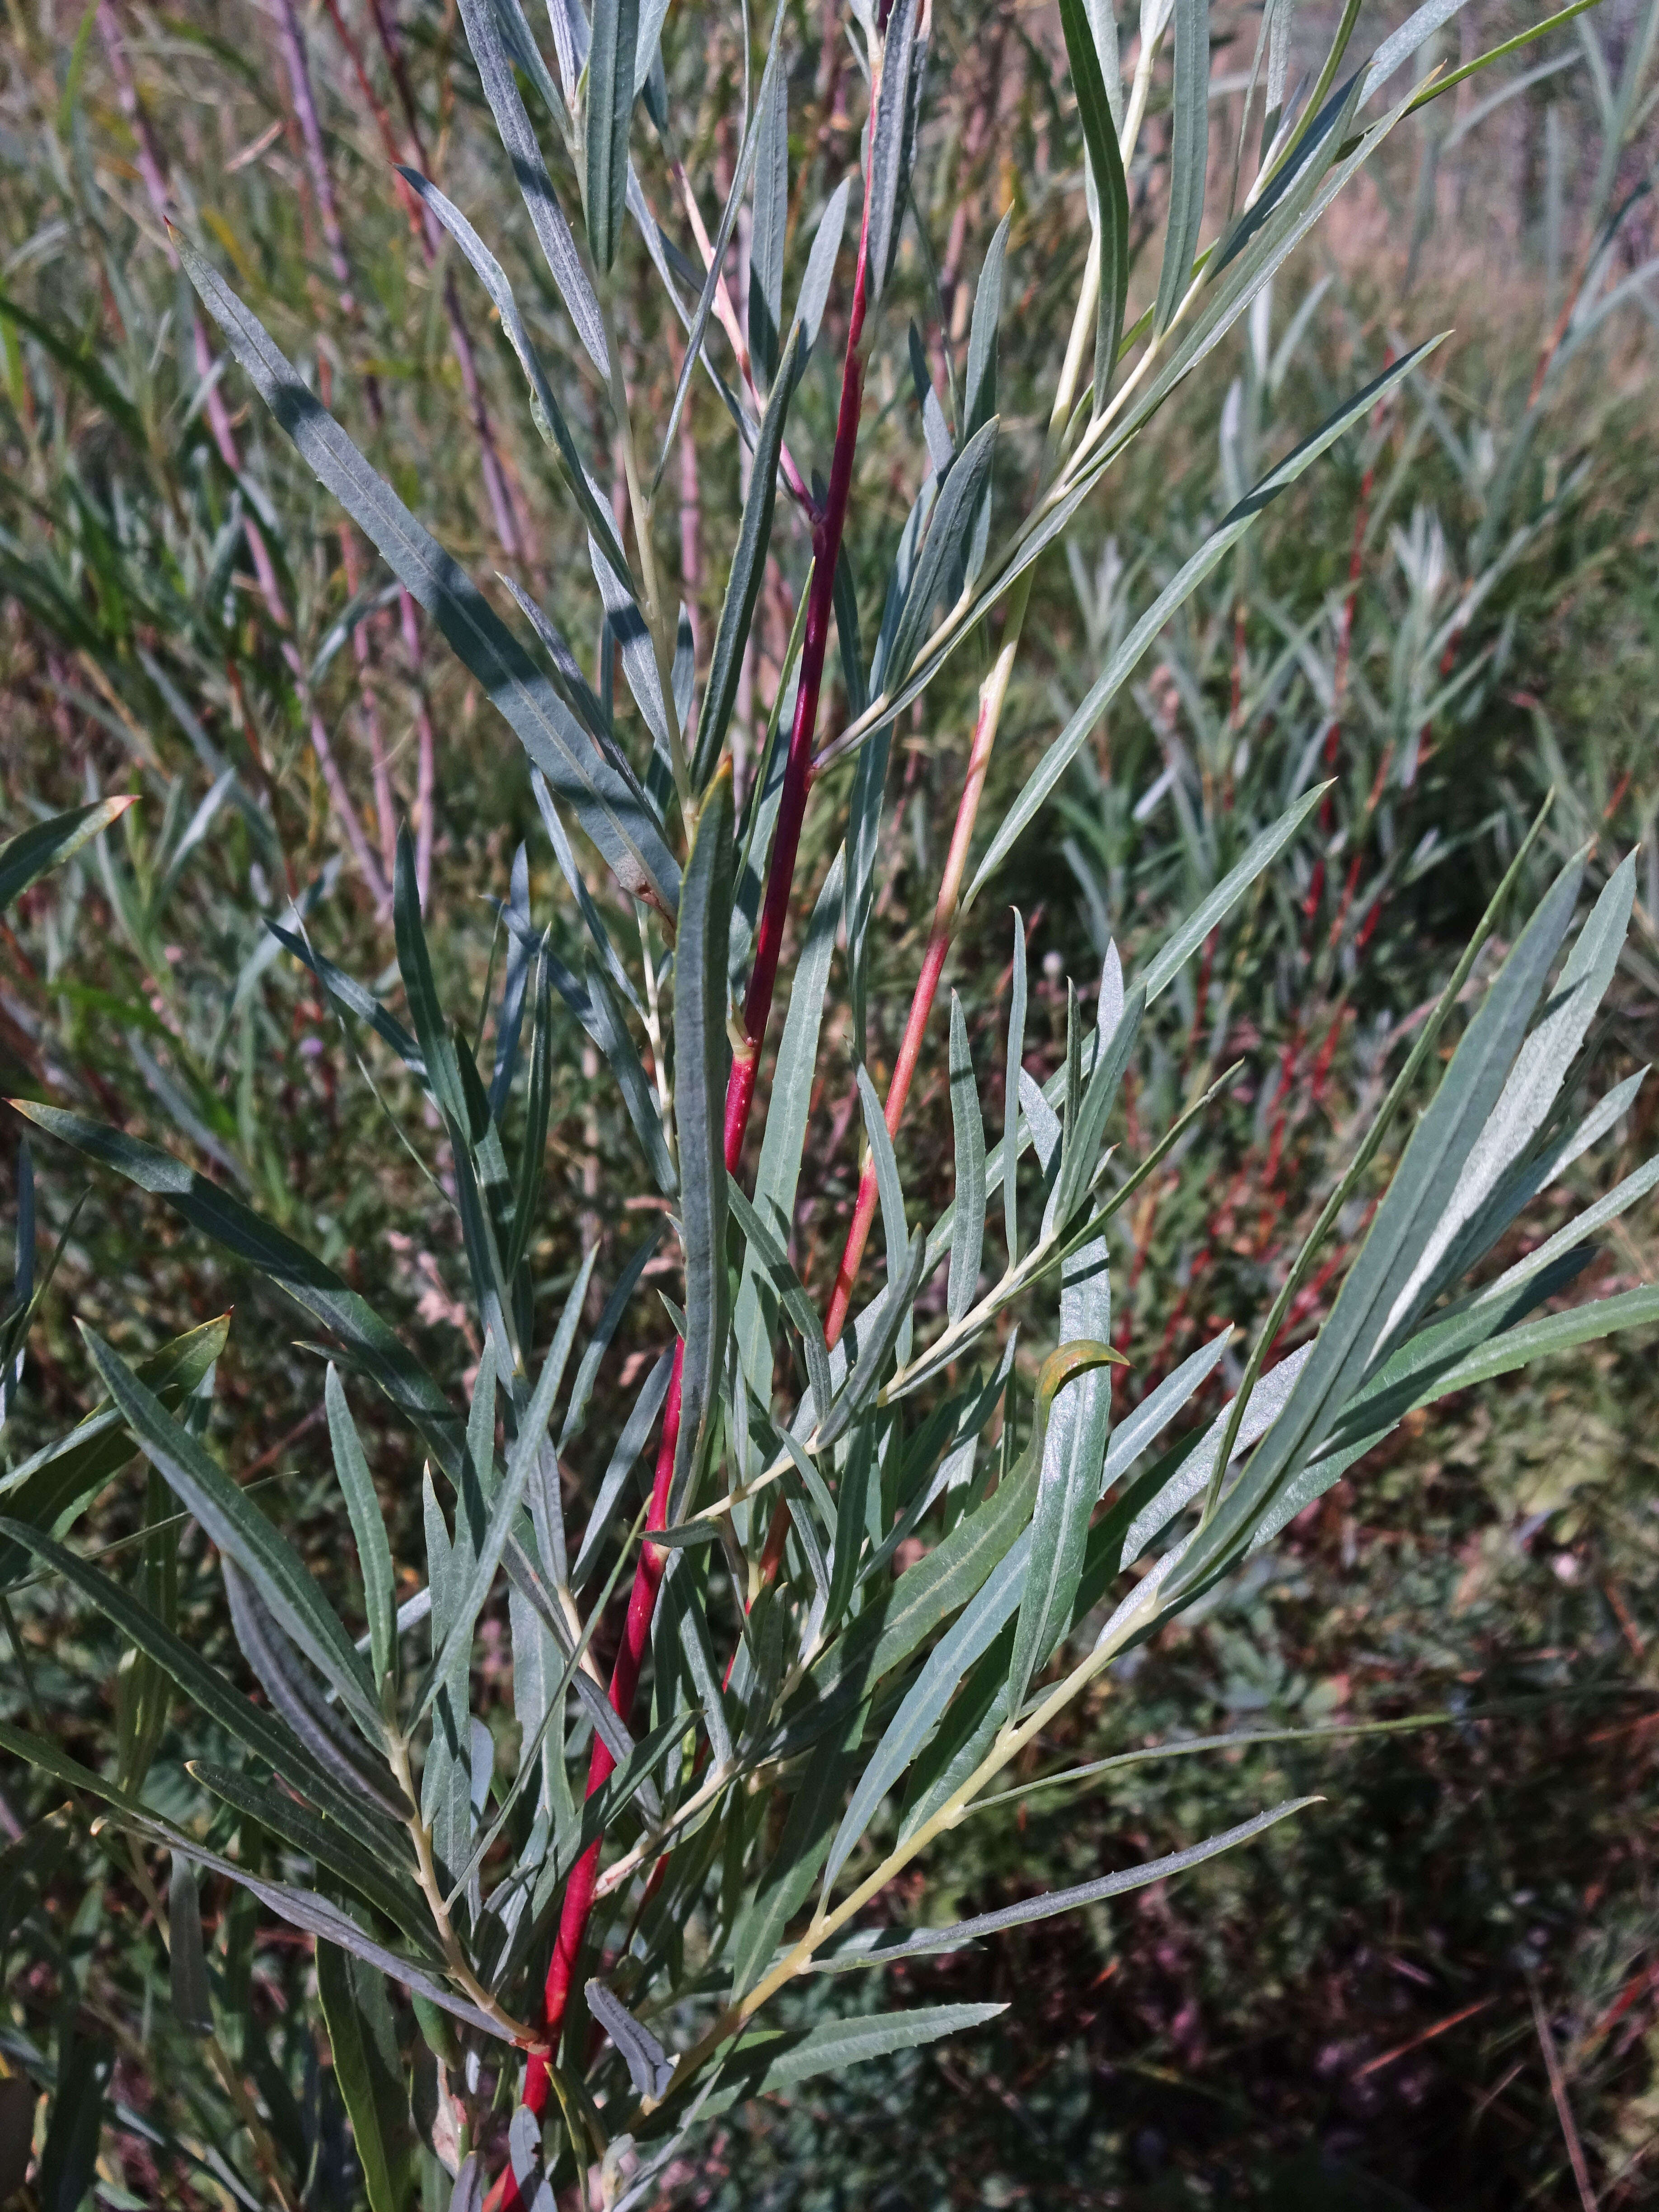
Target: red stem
(577,1903)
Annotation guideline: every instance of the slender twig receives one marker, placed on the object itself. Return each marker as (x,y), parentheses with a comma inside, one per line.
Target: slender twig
(1563,2105)
(432,1889)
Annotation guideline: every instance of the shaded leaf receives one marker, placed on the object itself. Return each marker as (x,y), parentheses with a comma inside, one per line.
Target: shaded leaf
(242,1532)
(26,857)
(546,217)
(609,104)
(702,1055)
(192,2003)
(368,2067)
(1189,148)
(262,1732)
(52,1488)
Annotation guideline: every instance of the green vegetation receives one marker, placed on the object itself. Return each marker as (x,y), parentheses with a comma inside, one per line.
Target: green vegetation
(517,1033)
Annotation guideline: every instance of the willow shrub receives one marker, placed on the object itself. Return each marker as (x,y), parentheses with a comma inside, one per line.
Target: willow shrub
(589,1941)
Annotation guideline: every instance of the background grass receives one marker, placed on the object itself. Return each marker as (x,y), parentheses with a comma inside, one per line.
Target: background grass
(1365,2008)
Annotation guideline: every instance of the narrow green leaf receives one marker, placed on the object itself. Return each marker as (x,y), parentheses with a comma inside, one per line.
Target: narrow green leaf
(893,1227)
(304,1908)
(445,1793)
(414,962)
(544,409)
(889,147)
(369,2069)
(610,104)
(52,1488)
(702,1055)
(942,549)
(992,1603)
(547,217)
(1415,32)
(791,1292)
(1069,1481)
(1123,663)
(1012,1068)
(1203,330)
(747,572)
(595,1009)
(51,1758)
(722,239)
(242,1532)
(1505,1349)
(968,1233)
(630,842)
(979,391)
(783,1138)
(296,1692)
(648,2062)
(1100,139)
(564,853)
(821,262)
(539,1108)
(1479,1206)
(467,1600)
(981,1620)
(192,2002)
(351,996)
(261,1731)
(599,1343)
(631,635)
(27,1866)
(768,2064)
(1404,1222)
(631,1442)
(368,1527)
(1085,1133)
(379,1881)
(26,857)
(75,2122)
(882,1325)
(903,1616)
(929,1942)
(791,1871)
(1159,1407)
(1189,152)
(769,231)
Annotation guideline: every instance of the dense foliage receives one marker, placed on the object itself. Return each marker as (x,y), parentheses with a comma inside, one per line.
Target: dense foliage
(615,1674)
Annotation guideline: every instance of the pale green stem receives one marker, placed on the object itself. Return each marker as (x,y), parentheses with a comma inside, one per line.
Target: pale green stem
(455,1958)
(1008,1746)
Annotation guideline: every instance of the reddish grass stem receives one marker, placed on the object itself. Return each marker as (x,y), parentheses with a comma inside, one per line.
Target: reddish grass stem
(939,938)
(219,424)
